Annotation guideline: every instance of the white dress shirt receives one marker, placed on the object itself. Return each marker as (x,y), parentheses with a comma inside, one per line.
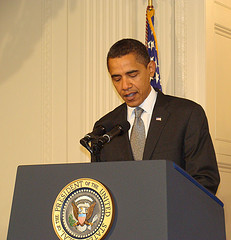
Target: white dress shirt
(147,105)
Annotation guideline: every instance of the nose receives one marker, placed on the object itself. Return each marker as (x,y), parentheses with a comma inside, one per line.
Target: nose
(126,83)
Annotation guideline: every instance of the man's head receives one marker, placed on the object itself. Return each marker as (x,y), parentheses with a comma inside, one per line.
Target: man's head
(126,46)
(130,68)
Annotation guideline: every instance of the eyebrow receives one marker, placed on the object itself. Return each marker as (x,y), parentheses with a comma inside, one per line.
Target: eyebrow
(132,71)
(127,73)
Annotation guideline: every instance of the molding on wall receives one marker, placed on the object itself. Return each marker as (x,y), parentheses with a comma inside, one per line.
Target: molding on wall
(224,167)
(222,4)
(223,140)
(95,26)
(165,32)
(180,48)
(190,70)
(46,88)
(222,30)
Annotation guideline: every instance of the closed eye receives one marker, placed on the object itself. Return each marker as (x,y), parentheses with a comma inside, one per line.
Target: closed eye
(133,73)
(116,78)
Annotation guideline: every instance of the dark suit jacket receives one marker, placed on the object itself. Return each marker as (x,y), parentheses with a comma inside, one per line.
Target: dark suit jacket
(181,136)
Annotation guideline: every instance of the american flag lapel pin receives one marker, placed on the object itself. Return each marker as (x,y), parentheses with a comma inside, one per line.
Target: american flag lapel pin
(158,119)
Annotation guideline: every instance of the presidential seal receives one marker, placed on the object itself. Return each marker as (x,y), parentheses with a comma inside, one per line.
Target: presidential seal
(83,210)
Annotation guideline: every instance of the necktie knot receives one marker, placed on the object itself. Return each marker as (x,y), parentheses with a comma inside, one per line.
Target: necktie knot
(138,112)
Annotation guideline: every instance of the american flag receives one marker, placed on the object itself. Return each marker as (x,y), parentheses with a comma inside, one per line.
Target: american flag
(151,44)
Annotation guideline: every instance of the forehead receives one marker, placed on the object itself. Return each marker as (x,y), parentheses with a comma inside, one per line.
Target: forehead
(125,63)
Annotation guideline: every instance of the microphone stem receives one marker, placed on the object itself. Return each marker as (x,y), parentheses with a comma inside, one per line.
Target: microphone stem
(96,148)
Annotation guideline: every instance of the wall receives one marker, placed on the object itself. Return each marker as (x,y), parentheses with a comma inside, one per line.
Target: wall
(91,32)
(53,79)
(218,82)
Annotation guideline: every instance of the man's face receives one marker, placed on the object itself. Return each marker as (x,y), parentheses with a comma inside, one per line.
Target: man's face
(131,78)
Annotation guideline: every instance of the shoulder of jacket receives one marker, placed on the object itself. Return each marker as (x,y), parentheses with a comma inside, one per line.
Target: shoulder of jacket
(113,115)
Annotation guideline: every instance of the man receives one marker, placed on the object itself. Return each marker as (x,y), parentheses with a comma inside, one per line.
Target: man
(172,128)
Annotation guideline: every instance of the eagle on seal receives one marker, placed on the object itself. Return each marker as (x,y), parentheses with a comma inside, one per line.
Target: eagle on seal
(82,215)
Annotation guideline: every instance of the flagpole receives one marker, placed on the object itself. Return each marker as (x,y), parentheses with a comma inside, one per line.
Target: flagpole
(151,43)
(149,3)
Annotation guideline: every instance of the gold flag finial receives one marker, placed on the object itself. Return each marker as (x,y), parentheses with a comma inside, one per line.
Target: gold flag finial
(149,3)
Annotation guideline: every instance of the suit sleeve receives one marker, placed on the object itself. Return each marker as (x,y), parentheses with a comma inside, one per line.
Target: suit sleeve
(199,154)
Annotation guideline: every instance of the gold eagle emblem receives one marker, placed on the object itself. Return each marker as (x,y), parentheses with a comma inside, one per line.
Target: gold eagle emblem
(83,215)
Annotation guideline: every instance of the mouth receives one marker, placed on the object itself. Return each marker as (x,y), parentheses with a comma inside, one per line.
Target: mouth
(130,96)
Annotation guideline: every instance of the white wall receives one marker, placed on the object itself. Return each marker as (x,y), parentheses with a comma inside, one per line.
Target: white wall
(53,79)
(218,98)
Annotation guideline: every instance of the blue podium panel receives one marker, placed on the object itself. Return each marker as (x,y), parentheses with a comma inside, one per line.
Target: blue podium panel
(153,200)
(193,212)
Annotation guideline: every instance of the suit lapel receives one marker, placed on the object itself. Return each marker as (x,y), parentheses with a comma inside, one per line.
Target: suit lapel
(159,118)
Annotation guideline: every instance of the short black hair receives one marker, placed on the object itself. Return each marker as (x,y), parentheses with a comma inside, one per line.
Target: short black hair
(127,46)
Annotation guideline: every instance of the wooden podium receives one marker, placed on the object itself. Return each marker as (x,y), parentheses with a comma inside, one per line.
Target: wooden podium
(153,200)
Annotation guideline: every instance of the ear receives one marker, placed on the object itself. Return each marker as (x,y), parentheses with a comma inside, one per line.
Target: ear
(152,68)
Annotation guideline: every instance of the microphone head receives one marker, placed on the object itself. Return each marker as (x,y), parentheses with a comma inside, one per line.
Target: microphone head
(124,126)
(102,128)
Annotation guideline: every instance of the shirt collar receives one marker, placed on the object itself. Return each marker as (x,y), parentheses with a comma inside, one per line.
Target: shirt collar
(147,104)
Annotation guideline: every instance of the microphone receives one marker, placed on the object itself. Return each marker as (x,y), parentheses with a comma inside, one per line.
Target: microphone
(117,130)
(98,131)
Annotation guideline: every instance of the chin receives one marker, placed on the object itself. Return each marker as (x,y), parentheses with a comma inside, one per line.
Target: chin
(132,104)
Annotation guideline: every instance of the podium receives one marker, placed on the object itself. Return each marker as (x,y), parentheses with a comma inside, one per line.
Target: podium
(153,199)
